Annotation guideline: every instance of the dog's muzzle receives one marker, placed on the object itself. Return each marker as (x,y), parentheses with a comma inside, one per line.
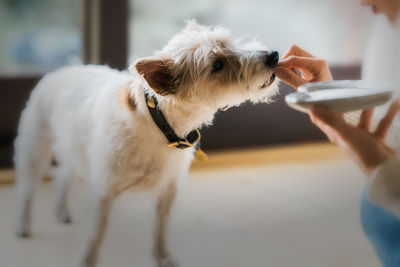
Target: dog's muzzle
(271,61)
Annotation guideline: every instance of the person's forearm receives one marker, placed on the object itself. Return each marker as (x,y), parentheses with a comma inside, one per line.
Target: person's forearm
(385,185)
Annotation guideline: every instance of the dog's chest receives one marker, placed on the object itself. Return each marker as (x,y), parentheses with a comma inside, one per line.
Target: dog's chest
(145,162)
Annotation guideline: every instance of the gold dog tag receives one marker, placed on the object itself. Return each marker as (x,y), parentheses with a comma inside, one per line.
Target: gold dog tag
(151,103)
(200,155)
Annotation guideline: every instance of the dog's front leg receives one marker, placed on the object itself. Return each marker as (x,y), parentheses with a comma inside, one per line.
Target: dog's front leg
(99,211)
(164,204)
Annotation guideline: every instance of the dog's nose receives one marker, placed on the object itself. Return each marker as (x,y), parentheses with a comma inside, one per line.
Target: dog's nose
(272,59)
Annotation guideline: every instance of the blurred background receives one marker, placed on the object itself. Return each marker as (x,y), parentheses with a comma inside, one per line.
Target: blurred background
(304,214)
(37,36)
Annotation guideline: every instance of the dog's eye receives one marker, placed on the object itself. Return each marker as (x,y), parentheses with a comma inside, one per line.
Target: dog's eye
(217,66)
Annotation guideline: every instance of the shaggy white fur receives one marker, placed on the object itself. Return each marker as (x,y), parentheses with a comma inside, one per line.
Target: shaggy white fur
(94,121)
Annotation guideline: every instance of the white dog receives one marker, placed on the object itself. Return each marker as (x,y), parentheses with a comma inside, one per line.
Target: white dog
(137,130)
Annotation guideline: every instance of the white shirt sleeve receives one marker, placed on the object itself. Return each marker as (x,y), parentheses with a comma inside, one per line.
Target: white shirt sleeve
(385,186)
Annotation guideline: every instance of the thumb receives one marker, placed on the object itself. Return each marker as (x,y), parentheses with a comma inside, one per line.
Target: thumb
(331,124)
(290,77)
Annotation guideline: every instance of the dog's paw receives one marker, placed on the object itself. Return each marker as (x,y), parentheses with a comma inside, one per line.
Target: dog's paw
(88,262)
(23,234)
(63,216)
(23,230)
(167,262)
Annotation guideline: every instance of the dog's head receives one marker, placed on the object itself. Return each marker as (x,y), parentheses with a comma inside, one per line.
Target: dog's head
(204,65)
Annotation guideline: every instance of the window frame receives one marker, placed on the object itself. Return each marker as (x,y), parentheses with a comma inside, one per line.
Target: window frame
(104,41)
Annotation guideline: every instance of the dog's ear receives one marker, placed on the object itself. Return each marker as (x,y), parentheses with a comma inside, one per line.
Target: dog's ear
(157,72)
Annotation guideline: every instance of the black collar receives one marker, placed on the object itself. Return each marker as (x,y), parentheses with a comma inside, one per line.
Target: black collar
(191,140)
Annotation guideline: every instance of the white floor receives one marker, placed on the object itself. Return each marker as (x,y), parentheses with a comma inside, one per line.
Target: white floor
(280,216)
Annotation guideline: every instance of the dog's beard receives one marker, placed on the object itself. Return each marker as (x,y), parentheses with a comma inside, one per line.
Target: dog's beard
(263,89)
(268,82)
(266,93)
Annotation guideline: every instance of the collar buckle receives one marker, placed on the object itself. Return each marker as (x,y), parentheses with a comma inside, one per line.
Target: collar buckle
(180,144)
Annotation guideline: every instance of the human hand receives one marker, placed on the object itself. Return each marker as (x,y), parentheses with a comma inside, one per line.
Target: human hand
(311,69)
(367,148)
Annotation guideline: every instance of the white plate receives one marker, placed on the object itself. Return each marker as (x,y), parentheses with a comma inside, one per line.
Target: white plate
(340,96)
